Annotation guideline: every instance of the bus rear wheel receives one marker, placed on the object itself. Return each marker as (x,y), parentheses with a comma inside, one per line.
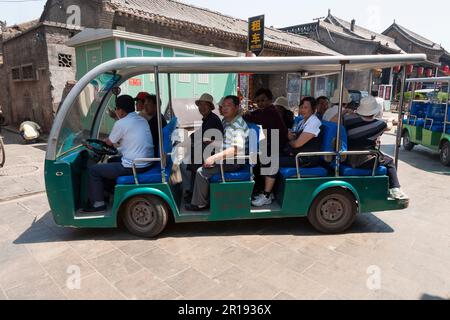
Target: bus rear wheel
(145,216)
(445,153)
(407,144)
(333,211)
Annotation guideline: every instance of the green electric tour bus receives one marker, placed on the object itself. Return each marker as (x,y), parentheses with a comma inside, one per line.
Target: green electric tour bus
(427,122)
(330,195)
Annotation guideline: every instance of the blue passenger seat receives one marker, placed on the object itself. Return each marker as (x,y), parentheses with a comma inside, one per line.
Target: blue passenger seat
(153,175)
(417,114)
(243,174)
(329,134)
(435,112)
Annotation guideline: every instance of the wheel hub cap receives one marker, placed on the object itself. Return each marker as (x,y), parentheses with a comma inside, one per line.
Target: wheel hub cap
(142,214)
(332,210)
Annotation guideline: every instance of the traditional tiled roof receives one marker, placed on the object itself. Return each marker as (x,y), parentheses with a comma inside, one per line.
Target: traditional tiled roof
(33,25)
(414,37)
(179,14)
(17,29)
(362,33)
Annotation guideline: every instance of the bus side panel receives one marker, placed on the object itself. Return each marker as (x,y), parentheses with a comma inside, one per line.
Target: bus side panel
(62,190)
(124,192)
(231,200)
(371,191)
(415,133)
(431,139)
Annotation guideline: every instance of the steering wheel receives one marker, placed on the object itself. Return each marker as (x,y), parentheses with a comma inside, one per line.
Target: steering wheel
(100,147)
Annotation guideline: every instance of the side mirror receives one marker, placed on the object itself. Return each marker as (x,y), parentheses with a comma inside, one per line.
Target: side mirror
(116,91)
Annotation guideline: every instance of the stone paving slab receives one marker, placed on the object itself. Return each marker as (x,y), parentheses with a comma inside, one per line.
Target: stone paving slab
(265,259)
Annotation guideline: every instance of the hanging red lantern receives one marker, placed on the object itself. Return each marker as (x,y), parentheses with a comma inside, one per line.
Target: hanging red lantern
(409,69)
(397,69)
(420,71)
(429,73)
(446,69)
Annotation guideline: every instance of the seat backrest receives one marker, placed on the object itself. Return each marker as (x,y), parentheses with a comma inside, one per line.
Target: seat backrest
(253,145)
(167,131)
(436,111)
(297,120)
(329,139)
(419,109)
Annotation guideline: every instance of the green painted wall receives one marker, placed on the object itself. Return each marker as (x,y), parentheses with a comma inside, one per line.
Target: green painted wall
(183,86)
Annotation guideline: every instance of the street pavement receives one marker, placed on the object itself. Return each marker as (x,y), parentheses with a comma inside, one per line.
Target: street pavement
(388,255)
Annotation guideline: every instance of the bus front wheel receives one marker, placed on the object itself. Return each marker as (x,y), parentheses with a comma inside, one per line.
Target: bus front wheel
(333,211)
(145,215)
(445,153)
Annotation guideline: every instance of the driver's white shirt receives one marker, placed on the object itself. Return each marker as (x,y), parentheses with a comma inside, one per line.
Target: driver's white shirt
(135,138)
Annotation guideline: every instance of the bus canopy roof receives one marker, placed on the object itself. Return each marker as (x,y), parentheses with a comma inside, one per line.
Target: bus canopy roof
(258,65)
(130,67)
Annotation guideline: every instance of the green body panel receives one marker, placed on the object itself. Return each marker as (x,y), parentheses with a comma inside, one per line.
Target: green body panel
(66,183)
(426,138)
(124,192)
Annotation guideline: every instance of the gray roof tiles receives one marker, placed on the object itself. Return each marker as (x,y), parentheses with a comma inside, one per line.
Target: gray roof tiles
(174,10)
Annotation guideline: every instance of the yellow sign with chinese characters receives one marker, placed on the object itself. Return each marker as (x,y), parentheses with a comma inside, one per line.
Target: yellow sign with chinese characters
(256,34)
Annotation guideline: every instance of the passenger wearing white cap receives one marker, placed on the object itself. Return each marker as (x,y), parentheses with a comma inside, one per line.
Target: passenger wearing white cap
(332,113)
(210,122)
(282,105)
(363,131)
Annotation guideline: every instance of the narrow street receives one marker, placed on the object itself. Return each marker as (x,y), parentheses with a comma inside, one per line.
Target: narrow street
(387,255)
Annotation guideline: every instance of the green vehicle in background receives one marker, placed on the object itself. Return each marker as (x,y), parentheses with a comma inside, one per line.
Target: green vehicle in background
(427,122)
(330,196)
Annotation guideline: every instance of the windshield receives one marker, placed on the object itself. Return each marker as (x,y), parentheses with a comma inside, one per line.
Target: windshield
(79,120)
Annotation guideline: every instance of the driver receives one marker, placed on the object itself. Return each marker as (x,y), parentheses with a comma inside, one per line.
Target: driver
(133,134)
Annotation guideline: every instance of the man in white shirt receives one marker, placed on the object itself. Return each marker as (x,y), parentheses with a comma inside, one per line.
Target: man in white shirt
(133,134)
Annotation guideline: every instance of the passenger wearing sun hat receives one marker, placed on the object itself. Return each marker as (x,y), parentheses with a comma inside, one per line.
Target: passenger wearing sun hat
(363,131)
(207,99)
(210,121)
(331,113)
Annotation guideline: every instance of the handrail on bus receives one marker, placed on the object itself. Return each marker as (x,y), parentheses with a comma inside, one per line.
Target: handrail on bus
(366,152)
(144,160)
(309,154)
(222,170)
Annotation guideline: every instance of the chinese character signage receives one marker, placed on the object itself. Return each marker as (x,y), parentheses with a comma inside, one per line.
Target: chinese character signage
(256,34)
(134,82)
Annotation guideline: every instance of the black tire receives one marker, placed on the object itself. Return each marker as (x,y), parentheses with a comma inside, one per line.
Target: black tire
(145,216)
(2,153)
(445,154)
(333,211)
(407,144)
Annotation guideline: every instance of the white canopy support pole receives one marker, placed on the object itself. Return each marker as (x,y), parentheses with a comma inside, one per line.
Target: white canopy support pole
(400,117)
(446,122)
(169,82)
(338,136)
(370,82)
(301,88)
(158,116)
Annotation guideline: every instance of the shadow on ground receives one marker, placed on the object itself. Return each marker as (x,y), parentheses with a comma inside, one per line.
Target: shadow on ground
(420,157)
(44,230)
(430,297)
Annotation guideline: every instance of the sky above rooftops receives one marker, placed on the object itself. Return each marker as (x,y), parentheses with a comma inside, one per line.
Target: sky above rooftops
(377,16)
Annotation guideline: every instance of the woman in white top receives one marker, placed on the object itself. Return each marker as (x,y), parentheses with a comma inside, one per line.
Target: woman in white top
(305,137)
